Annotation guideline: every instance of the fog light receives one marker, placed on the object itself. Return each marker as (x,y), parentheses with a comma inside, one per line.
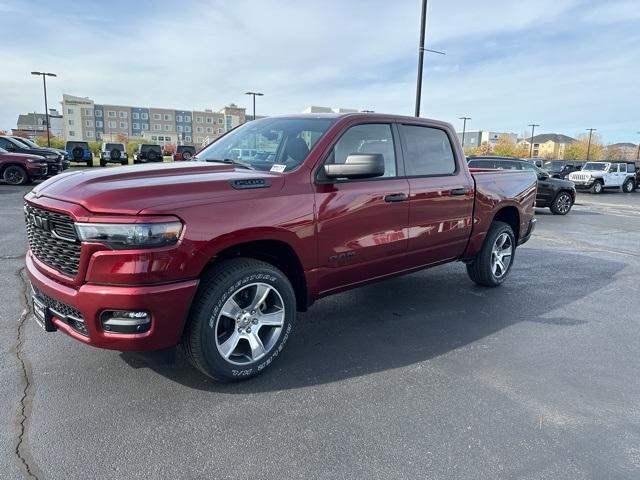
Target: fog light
(125,321)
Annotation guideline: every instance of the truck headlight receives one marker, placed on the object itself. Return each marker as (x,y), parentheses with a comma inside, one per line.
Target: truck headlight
(130,235)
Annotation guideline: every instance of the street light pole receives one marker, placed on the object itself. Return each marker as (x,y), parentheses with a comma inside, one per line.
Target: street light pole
(638,154)
(533,129)
(421,50)
(46,106)
(464,128)
(254,95)
(590,130)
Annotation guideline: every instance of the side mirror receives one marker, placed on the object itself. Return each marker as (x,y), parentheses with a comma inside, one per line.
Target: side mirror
(543,176)
(357,165)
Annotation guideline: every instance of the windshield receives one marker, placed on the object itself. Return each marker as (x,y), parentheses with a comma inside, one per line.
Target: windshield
(595,166)
(20,143)
(2,150)
(29,143)
(268,144)
(553,165)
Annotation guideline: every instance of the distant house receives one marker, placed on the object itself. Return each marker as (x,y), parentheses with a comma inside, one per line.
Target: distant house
(548,145)
(34,124)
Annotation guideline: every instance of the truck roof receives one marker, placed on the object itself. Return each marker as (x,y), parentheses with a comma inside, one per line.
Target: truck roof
(363,115)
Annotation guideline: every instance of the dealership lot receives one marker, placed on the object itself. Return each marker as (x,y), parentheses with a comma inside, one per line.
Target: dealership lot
(421,376)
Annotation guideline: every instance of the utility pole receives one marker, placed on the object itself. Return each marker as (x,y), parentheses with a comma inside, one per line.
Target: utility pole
(464,128)
(421,50)
(638,154)
(590,130)
(533,129)
(254,95)
(46,107)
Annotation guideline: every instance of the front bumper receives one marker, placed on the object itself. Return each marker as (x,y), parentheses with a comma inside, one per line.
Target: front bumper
(532,226)
(37,171)
(168,305)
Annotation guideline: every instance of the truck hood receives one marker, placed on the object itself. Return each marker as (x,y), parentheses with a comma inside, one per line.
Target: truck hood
(133,189)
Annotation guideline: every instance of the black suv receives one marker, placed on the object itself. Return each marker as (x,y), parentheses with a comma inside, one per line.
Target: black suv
(556,194)
(148,153)
(562,168)
(53,158)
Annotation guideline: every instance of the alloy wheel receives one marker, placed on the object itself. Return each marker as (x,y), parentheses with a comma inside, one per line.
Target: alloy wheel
(249,323)
(14,176)
(501,255)
(563,203)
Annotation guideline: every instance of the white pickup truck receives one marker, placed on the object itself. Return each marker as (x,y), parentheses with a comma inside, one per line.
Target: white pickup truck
(598,176)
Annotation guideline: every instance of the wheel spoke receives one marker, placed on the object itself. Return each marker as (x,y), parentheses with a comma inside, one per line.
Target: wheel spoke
(275,319)
(227,348)
(230,308)
(262,291)
(257,348)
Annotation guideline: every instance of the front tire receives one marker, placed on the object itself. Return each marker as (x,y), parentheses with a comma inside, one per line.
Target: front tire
(493,263)
(597,187)
(241,318)
(562,204)
(15,175)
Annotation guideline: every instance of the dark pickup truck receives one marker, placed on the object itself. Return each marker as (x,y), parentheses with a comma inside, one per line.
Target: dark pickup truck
(219,254)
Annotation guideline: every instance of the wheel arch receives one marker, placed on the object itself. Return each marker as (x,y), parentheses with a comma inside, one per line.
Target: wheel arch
(276,252)
(511,216)
(4,166)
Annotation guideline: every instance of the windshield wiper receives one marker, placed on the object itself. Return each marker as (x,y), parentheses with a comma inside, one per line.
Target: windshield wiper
(231,162)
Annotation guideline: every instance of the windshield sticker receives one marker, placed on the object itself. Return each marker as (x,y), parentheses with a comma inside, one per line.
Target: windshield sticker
(278,167)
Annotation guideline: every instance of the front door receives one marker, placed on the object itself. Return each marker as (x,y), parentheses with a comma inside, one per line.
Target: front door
(362,224)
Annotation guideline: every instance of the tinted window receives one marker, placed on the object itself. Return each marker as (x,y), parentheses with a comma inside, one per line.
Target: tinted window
(482,164)
(427,151)
(507,165)
(527,166)
(623,167)
(369,138)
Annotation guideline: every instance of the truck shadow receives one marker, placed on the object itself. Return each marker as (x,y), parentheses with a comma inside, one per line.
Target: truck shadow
(408,320)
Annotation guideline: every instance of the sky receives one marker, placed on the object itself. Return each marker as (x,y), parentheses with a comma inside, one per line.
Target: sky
(567,65)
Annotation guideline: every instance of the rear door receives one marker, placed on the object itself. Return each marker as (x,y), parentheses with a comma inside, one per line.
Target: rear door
(441,194)
(362,224)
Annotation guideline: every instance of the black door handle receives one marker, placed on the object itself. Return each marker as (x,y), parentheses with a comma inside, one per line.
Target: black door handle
(395,197)
(459,191)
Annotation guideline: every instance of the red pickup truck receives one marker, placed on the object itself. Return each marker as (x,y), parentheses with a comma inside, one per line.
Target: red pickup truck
(218,254)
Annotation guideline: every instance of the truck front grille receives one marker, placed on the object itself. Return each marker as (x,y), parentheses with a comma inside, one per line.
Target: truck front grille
(68,314)
(52,239)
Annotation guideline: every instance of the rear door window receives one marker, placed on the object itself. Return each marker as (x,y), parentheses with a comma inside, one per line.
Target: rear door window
(427,151)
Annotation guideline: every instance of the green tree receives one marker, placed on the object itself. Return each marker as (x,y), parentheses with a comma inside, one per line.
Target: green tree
(578,150)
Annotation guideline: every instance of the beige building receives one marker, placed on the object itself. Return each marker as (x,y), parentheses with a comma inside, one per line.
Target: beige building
(116,120)
(548,145)
(78,124)
(207,126)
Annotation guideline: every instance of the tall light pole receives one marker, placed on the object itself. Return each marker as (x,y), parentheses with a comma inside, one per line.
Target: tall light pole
(464,128)
(254,95)
(638,154)
(421,50)
(590,130)
(533,129)
(46,107)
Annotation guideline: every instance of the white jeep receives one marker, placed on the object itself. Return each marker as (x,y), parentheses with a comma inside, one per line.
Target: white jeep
(598,176)
(113,153)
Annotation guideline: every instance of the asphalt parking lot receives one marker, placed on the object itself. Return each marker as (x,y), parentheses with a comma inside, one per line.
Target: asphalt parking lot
(425,376)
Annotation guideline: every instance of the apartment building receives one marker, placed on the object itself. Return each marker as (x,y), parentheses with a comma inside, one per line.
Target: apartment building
(84,120)
(548,145)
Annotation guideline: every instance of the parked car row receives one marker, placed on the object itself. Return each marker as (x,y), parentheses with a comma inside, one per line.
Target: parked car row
(22,161)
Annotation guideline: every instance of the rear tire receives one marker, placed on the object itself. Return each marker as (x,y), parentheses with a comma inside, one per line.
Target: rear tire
(597,187)
(235,331)
(124,162)
(499,244)
(103,163)
(628,186)
(562,203)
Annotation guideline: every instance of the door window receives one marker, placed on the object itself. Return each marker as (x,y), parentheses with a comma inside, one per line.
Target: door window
(427,151)
(367,138)
(622,167)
